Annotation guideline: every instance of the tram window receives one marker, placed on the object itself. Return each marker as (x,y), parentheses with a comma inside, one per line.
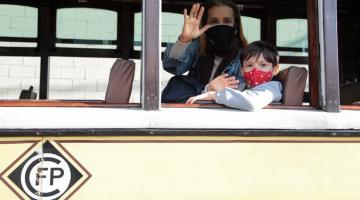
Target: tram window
(18,73)
(18,24)
(86,28)
(171,27)
(292,41)
(137,31)
(78,78)
(292,33)
(349,58)
(252,28)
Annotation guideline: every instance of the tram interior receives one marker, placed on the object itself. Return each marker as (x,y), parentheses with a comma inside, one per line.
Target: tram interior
(65,50)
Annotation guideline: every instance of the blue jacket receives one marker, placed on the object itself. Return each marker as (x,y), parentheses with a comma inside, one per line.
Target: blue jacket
(188,59)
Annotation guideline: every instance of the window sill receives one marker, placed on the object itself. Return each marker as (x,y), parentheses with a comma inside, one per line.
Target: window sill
(210,104)
(65,103)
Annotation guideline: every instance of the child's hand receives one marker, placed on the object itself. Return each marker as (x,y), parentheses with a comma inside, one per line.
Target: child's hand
(206,96)
(223,81)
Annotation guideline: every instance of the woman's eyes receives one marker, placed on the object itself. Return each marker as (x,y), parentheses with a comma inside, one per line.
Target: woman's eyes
(230,22)
(213,22)
(225,21)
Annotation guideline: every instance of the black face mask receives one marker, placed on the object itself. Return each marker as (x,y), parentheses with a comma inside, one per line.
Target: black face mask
(219,38)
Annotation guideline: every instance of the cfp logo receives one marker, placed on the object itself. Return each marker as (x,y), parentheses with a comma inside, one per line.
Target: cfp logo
(47,176)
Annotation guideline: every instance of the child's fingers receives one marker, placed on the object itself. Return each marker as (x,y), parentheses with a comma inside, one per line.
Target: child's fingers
(233,86)
(191,100)
(232,82)
(224,75)
(231,78)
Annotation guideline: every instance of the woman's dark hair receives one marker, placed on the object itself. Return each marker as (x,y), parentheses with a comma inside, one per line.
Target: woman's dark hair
(239,41)
(258,48)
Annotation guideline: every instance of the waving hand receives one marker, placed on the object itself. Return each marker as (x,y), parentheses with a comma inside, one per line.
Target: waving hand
(192,22)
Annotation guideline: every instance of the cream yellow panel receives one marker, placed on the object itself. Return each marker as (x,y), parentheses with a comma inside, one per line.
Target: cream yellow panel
(180,169)
(192,168)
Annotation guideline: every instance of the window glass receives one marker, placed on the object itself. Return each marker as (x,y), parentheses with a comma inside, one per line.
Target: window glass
(18,73)
(86,28)
(349,57)
(172,24)
(251,27)
(18,21)
(170,28)
(78,78)
(292,33)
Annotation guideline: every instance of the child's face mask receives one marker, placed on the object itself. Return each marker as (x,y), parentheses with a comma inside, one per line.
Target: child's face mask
(256,77)
(219,38)
(257,71)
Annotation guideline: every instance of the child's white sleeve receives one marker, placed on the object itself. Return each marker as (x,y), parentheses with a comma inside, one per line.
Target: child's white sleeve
(251,99)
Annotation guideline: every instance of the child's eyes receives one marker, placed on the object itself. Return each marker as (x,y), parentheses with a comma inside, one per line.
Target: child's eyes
(248,65)
(265,64)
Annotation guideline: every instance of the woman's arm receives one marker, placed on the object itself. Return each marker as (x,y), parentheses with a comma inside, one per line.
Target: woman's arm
(179,57)
(251,99)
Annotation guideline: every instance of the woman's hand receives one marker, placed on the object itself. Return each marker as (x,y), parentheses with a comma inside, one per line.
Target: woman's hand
(206,96)
(223,81)
(192,22)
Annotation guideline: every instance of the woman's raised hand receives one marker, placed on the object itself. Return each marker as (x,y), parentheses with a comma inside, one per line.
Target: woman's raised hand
(192,22)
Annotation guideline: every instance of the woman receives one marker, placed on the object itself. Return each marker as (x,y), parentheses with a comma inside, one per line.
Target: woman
(208,48)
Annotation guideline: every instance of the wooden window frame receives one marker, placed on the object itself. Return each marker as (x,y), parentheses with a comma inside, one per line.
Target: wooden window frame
(150,90)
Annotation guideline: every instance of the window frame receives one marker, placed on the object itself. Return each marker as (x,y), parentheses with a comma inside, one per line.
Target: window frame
(321,15)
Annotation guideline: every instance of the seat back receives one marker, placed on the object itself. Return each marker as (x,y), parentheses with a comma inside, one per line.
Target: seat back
(120,81)
(293,80)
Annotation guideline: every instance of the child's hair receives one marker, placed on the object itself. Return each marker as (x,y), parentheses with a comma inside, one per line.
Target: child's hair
(258,48)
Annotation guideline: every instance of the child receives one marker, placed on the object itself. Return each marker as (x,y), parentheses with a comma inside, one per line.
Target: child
(259,64)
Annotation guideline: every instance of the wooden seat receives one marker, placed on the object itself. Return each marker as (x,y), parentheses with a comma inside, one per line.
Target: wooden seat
(120,81)
(293,80)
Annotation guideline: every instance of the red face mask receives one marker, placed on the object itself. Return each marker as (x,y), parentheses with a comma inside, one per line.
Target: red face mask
(256,77)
